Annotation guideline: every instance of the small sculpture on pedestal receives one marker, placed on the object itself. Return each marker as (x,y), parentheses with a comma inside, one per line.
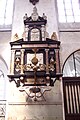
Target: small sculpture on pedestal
(54,36)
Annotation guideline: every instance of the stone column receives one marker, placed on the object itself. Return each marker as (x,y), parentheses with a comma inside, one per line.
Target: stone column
(57,61)
(47,69)
(22,60)
(12,62)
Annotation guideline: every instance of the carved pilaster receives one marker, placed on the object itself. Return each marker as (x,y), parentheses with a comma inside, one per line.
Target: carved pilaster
(12,62)
(47,69)
(57,61)
(22,60)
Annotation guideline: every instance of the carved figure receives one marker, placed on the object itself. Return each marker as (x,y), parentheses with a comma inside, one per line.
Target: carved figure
(54,36)
(25,17)
(16,37)
(34,15)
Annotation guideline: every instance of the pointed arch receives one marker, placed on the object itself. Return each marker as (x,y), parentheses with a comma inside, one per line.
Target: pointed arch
(71,66)
(3,78)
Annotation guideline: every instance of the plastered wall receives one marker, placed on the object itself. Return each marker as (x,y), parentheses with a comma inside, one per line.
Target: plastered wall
(51,109)
(5,38)
(70,42)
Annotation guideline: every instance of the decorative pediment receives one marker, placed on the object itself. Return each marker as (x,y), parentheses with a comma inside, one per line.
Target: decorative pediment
(35,26)
(48,41)
(35,18)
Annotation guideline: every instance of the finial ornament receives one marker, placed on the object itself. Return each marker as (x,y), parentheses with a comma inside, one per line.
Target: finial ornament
(34,15)
(34,1)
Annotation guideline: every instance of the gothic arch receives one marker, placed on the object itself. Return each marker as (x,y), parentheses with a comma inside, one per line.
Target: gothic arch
(3,78)
(71,66)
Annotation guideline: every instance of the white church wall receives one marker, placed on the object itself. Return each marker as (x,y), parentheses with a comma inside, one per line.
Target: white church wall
(5,37)
(70,42)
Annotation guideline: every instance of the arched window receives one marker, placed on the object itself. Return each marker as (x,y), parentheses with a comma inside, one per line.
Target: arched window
(6,12)
(71,66)
(68,10)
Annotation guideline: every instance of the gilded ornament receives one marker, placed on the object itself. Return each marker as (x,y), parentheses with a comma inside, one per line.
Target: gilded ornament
(54,36)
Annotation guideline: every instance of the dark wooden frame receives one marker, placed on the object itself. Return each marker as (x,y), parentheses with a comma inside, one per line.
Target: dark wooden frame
(29,33)
(71,97)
